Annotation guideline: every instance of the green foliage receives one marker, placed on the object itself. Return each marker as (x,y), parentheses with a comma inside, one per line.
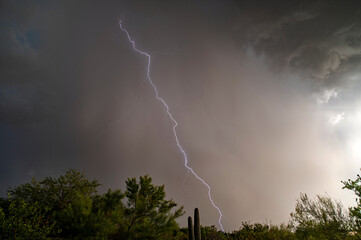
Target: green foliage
(211,233)
(109,202)
(68,198)
(71,201)
(322,218)
(355,212)
(79,220)
(147,209)
(24,221)
(69,207)
(259,231)
(56,193)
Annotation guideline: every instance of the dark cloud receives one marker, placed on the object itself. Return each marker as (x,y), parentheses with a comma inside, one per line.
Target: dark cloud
(317,39)
(23,96)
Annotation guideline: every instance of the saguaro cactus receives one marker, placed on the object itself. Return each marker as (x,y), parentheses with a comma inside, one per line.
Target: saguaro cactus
(194,233)
(197,227)
(190,228)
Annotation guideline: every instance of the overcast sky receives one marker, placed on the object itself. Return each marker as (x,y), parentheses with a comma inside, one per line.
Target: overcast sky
(267,95)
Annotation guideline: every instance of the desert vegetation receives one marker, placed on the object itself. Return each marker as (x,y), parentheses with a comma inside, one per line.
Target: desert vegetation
(69,207)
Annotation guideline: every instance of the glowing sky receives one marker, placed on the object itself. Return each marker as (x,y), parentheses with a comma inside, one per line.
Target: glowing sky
(267,97)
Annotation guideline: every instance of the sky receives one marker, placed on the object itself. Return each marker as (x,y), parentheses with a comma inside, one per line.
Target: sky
(267,96)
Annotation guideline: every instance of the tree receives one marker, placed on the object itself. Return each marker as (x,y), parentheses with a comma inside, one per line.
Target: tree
(80,220)
(111,207)
(322,218)
(263,231)
(56,193)
(68,199)
(74,210)
(211,233)
(355,212)
(22,220)
(148,215)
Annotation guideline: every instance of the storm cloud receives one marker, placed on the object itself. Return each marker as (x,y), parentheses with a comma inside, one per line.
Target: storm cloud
(267,97)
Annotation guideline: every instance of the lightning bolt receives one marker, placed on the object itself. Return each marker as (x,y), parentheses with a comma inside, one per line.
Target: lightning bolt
(174,121)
